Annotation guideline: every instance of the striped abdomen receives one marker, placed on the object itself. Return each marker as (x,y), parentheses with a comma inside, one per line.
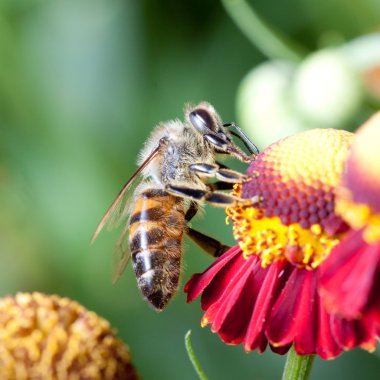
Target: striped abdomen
(156,228)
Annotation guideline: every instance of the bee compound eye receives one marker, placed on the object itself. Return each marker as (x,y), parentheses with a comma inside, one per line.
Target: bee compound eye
(201,120)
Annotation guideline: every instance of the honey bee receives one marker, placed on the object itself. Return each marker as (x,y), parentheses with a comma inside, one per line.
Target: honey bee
(165,193)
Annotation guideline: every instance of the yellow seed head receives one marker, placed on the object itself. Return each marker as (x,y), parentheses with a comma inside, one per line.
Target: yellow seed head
(48,337)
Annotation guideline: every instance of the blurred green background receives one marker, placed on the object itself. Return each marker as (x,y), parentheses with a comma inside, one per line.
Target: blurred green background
(82,84)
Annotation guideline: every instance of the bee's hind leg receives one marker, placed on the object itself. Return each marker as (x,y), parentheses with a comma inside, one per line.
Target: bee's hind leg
(212,246)
(191,211)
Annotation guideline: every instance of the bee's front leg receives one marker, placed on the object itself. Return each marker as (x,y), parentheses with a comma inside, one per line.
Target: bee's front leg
(222,145)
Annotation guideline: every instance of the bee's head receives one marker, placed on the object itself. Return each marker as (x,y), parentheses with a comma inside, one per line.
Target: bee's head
(205,120)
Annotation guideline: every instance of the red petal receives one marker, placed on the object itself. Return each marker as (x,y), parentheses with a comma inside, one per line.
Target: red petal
(373,305)
(282,326)
(353,333)
(267,292)
(327,347)
(230,314)
(347,276)
(299,317)
(280,350)
(198,282)
(306,322)
(218,285)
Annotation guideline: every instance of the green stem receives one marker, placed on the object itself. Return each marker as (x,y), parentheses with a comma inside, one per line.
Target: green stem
(193,358)
(297,367)
(268,40)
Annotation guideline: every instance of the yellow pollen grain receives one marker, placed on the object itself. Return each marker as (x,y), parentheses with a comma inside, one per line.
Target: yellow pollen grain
(293,235)
(308,253)
(316,229)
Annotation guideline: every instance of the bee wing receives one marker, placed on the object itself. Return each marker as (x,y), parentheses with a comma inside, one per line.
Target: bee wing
(118,209)
(121,255)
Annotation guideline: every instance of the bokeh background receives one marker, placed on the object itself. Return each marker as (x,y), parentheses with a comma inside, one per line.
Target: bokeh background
(82,84)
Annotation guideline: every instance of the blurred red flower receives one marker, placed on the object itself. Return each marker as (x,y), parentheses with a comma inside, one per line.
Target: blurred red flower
(350,281)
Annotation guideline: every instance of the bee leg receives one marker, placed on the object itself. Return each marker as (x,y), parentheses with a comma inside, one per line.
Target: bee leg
(231,176)
(212,246)
(222,145)
(192,210)
(220,199)
(222,174)
(221,185)
(214,197)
